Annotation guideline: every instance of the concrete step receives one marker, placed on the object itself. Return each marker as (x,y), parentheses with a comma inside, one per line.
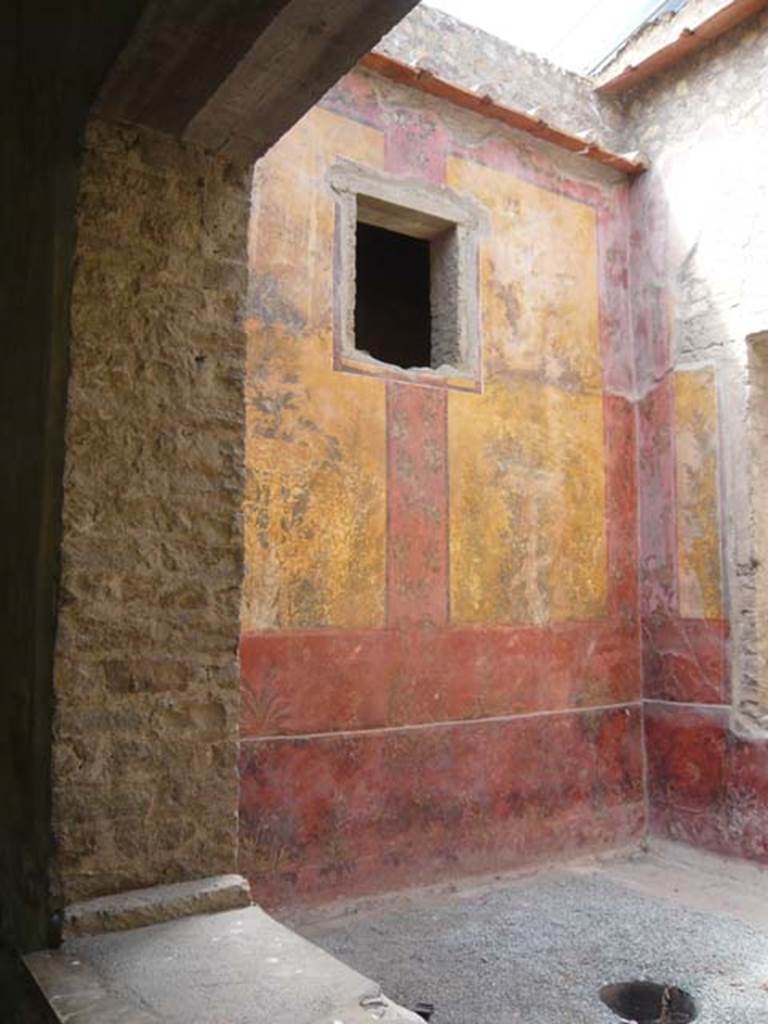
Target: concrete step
(234,967)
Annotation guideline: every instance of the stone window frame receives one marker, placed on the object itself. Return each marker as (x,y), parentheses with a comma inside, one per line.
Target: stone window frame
(452,225)
(743,403)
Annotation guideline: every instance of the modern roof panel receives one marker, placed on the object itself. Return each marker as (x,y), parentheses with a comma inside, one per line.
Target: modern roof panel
(576,34)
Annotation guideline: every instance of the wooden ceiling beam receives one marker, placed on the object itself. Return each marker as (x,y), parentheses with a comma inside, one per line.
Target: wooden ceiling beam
(233,75)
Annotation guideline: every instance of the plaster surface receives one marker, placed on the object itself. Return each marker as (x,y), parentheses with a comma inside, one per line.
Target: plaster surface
(440,580)
(538,948)
(699,306)
(698,299)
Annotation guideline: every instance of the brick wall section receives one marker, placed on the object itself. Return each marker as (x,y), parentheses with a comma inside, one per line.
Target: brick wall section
(146,678)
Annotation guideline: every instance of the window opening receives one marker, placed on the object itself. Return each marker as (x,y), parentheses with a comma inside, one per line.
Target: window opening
(405,280)
(393,319)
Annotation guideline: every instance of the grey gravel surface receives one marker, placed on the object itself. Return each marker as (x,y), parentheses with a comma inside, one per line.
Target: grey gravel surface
(537,950)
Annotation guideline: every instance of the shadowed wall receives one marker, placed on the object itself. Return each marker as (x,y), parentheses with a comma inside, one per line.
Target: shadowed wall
(52,60)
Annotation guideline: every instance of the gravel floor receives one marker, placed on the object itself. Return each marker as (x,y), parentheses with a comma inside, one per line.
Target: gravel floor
(537,950)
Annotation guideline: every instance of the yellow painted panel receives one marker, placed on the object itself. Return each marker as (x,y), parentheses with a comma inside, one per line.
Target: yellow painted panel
(527,474)
(315,507)
(538,279)
(291,227)
(526,505)
(698,535)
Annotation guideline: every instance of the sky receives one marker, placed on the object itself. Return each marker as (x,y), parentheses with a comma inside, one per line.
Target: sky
(575,34)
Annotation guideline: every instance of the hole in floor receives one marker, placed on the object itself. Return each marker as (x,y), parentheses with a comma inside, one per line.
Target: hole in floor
(647,1002)
(424,1010)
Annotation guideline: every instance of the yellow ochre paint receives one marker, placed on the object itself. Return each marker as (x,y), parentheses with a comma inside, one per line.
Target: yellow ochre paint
(526,458)
(698,534)
(315,506)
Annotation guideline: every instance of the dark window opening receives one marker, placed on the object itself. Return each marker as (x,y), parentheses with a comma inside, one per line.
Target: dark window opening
(393,320)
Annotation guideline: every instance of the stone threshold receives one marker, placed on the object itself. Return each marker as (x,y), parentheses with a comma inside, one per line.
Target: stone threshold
(220,966)
(140,907)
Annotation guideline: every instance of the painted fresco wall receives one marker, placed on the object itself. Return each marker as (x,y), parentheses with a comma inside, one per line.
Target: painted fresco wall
(700,220)
(440,649)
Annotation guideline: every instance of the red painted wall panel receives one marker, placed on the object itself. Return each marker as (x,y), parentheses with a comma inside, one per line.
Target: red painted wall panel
(707,786)
(354,813)
(621,508)
(310,682)
(417,505)
(686,660)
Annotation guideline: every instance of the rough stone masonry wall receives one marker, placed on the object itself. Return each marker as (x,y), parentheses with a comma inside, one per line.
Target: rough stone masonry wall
(700,249)
(476,60)
(146,676)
